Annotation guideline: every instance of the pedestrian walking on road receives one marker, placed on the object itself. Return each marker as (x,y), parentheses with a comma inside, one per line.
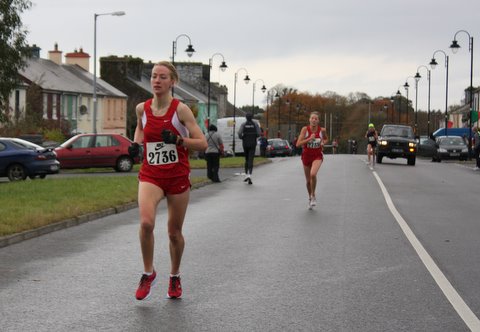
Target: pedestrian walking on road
(476,149)
(213,153)
(167,129)
(312,138)
(249,132)
(372,136)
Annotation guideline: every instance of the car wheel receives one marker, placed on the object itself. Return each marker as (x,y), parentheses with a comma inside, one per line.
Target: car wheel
(42,176)
(124,164)
(379,159)
(411,161)
(16,172)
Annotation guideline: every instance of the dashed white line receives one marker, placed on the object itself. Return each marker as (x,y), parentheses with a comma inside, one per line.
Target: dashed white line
(452,295)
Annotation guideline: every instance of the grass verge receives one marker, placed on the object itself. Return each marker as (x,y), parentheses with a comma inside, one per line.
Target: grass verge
(27,205)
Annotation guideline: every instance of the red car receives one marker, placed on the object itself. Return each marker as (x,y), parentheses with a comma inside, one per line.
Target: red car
(96,150)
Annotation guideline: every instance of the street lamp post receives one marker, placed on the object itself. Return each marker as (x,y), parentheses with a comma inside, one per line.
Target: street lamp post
(455,48)
(433,64)
(399,96)
(417,78)
(289,103)
(120,13)
(406,86)
(189,49)
(268,112)
(392,102)
(263,88)
(246,80)
(222,67)
(277,95)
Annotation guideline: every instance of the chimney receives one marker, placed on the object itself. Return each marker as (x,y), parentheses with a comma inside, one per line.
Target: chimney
(78,58)
(35,51)
(55,55)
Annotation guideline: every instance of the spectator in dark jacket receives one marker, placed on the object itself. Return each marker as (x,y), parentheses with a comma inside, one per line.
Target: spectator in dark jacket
(249,132)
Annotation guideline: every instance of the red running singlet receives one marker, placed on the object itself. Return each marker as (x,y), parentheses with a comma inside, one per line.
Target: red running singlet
(312,150)
(162,160)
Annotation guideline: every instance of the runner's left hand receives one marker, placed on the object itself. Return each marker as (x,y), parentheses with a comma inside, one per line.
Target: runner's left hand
(169,137)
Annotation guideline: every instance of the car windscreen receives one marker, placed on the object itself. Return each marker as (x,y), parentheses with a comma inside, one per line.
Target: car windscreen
(451,140)
(397,132)
(278,144)
(21,144)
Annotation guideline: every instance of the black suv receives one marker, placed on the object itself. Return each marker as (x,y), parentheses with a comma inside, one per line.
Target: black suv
(397,141)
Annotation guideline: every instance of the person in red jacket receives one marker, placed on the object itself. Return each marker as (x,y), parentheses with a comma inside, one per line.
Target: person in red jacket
(167,129)
(312,138)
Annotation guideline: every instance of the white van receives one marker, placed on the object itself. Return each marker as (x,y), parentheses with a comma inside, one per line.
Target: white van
(225,129)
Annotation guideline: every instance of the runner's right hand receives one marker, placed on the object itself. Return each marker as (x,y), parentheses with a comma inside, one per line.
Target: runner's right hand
(134,150)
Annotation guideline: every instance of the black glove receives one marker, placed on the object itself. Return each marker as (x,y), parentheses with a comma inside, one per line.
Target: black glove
(169,137)
(134,150)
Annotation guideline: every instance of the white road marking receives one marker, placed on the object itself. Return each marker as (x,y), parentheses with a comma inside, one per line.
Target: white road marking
(457,302)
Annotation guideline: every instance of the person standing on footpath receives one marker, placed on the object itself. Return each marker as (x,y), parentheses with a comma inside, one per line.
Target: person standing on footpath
(213,153)
(263,144)
(312,138)
(476,149)
(249,132)
(167,129)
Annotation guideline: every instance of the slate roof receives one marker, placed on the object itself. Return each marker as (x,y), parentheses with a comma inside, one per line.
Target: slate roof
(66,78)
(181,91)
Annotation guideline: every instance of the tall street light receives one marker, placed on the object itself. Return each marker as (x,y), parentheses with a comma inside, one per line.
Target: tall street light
(277,95)
(455,48)
(189,49)
(417,78)
(433,64)
(268,112)
(120,13)
(222,67)
(246,80)
(289,103)
(263,88)
(406,86)
(399,96)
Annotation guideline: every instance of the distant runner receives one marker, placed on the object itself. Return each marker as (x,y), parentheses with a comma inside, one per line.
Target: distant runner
(372,136)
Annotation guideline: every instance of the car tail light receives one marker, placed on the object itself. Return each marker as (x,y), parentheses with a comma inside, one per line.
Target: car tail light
(41,157)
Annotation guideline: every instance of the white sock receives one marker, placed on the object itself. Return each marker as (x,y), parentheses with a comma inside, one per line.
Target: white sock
(174,275)
(148,273)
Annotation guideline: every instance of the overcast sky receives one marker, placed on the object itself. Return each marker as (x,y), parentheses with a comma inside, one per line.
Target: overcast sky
(314,46)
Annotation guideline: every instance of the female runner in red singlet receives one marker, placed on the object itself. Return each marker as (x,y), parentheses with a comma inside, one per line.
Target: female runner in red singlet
(312,138)
(167,129)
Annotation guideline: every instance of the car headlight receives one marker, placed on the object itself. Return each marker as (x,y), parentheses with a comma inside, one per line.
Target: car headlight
(383,142)
(412,145)
(442,150)
(465,150)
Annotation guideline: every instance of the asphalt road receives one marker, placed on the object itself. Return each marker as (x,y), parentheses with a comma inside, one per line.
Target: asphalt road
(257,259)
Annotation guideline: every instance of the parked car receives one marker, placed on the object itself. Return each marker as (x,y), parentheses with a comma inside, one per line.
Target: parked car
(20,158)
(397,141)
(450,147)
(96,150)
(278,147)
(425,146)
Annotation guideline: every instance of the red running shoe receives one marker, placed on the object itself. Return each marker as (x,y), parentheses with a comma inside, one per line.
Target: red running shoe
(145,286)
(174,288)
